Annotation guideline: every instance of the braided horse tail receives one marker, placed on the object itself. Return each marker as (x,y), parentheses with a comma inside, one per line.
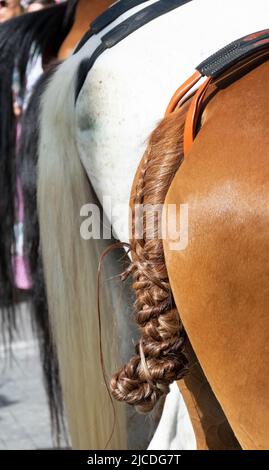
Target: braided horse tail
(160,357)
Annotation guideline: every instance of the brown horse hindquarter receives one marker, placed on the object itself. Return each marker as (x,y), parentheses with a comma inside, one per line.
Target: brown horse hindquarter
(220,281)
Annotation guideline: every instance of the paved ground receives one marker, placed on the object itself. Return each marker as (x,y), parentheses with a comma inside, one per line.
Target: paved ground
(24,418)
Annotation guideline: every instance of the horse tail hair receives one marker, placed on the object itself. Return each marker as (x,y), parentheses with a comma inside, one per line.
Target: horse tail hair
(160,354)
(21,38)
(28,156)
(70,267)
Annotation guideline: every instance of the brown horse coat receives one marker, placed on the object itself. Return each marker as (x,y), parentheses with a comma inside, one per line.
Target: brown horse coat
(220,281)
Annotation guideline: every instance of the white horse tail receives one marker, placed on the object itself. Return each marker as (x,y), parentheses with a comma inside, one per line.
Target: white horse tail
(70,265)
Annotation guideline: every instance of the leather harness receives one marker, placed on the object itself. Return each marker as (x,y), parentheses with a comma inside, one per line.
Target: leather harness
(220,70)
(122,30)
(106,18)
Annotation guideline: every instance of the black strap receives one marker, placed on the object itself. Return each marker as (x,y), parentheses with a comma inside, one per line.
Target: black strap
(84,67)
(236,51)
(123,30)
(139,19)
(106,18)
(112,13)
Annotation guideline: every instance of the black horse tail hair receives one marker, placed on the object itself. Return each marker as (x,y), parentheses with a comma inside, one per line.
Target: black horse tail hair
(21,38)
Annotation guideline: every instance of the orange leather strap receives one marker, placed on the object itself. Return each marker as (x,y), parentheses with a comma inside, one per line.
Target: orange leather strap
(195,109)
(182,91)
(193,115)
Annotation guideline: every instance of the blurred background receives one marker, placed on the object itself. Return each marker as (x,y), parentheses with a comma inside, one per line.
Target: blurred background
(11,8)
(24,411)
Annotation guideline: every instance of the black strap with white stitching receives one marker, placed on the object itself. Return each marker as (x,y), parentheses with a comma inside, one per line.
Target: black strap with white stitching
(123,30)
(234,52)
(106,18)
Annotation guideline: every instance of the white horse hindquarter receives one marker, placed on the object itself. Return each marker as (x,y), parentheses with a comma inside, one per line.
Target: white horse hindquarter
(126,92)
